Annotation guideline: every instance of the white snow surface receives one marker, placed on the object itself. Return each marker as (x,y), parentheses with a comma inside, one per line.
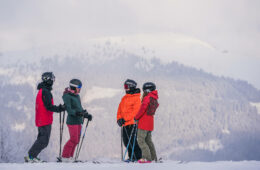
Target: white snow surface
(115,165)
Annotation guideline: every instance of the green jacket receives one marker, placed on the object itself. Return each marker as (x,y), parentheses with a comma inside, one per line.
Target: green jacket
(73,105)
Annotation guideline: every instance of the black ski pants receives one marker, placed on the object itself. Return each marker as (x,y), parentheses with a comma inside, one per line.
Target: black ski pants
(127,130)
(42,141)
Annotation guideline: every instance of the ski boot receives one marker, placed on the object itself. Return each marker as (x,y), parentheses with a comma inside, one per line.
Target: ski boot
(29,159)
(142,160)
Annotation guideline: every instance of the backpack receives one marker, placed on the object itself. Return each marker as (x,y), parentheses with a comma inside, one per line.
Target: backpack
(153,105)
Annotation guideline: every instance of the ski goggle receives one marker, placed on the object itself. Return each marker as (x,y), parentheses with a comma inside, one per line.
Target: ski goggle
(77,86)
(52,78)
(126,86)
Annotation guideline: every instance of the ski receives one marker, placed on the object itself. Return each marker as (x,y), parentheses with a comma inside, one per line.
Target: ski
(129,161)
(183,162)
(86,161)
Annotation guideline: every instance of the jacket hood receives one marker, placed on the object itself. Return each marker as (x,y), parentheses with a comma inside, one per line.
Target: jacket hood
(68,91)
(153,94)
(44,85)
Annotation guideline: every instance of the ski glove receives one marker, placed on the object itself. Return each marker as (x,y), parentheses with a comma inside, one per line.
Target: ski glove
(61,107)
(83,113)
(121,122)
(88,116)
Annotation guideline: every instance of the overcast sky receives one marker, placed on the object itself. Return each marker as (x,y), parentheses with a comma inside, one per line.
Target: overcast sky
(219,36)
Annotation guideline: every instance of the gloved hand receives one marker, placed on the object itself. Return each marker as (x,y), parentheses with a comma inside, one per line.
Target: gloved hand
(82,113)
(88,116)
(121,122)
(62,107)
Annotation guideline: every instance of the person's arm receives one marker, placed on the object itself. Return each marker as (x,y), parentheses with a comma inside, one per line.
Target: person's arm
(67,102)
(143,108)
(47,101)
(119,111)
(120,119)
(137,106)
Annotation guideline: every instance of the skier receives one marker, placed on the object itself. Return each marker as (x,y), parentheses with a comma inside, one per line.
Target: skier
(44,116)
(75,117)
(127,109)
(145,118)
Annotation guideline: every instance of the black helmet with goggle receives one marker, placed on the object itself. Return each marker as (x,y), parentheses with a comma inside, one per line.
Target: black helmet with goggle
(148,87)
(130,84)
(75,83)
(48,78)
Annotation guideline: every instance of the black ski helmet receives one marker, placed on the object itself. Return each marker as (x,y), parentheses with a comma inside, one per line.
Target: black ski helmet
(130,84)
(75,83)
(148,87)
(48,78)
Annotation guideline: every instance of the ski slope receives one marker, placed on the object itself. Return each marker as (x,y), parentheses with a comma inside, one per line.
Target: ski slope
(168,165)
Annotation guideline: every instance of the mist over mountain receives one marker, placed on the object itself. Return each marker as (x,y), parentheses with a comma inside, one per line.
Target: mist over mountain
(201,116)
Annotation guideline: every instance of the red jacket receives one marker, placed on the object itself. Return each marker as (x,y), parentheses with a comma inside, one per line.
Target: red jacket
(146,122)
(43,116)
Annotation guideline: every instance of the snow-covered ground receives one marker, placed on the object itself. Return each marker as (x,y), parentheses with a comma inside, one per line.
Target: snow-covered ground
(168,165)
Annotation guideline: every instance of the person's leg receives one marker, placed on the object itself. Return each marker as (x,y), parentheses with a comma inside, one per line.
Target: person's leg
(130,131)
(151,146)
(126,135)
(41,142)
(137,150)
(76,135)
(141,136)
(72,142)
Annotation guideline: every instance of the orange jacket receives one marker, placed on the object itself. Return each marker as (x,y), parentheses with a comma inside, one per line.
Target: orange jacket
(128,108)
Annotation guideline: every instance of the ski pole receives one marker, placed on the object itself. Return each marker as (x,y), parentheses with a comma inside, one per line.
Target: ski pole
(134,142)
(77,155)
(122,143)
(128,140)
(78,143)
(62,127)
(60,135)
(61,130)
(128,143)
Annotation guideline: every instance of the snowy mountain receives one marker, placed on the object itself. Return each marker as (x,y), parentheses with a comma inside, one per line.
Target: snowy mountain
(201,117)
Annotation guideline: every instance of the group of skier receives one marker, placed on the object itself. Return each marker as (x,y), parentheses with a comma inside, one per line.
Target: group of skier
(135,116)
